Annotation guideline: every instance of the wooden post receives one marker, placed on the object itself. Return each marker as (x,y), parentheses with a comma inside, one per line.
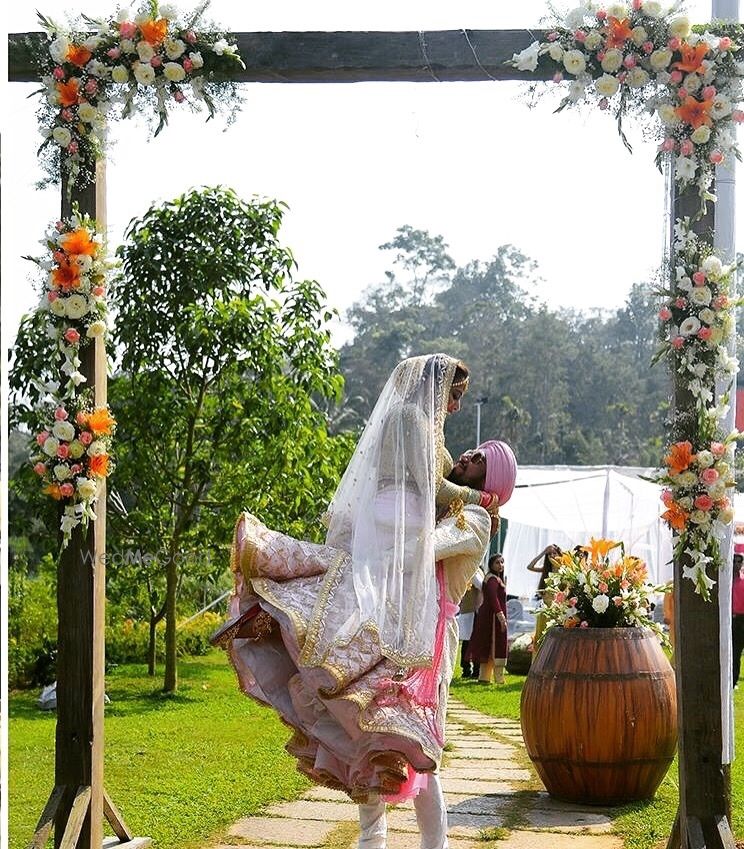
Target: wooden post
(704,782)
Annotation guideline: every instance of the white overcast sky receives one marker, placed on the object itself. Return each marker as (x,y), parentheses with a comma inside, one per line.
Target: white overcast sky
(355,161)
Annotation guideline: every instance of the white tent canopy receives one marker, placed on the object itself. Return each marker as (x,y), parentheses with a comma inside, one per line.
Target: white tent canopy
(566,505)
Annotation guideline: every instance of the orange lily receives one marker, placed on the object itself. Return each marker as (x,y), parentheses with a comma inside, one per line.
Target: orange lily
(154,32)
(600,548)
(695,112)
(618,31)
(68,92)
(66,276)
(53,490)
(101,421)
(691,57)
(675,517)
(679,457)
(99,465)
(78,55)
(78,242)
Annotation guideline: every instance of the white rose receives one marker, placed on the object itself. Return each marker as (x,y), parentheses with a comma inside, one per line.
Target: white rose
(700,517)
(686,168)
(77,449)
(92,43)
(64,430)
(600,603)
(660,59)
(705,459)
(723,469)
(685,503)
(652,8)
(638,36)
(689,326)
(174,48)
(97,69)
(62,136)
(712,266)
(127,46)
(58,49)
(593,40)
(574,62)
(144,74)
(76,306)
(607,85)
(668,114)
(198,61)
(701,135)
(618,10)
(96,448)
(50,446)
(637,78)
(721,107)
(61,472)
(555,51)
(526,60)
(700,295)
(717,490)
(87,488)
(174,72)
(96,328)
(119,74)
(692,82)
(613,60)
(680,27)
(87,112)
(686,479)
(707,316)
(145,51)
(58,307)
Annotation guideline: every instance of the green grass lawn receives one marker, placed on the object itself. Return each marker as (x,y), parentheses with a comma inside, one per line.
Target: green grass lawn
(643,824)
(180,769)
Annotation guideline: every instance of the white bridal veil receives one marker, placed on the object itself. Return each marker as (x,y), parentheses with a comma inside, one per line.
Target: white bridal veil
(383,515)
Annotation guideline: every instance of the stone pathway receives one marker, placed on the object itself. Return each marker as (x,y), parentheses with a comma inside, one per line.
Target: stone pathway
(494,801)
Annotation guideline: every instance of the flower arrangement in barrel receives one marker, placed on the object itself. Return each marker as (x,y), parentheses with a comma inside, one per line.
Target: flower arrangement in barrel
(600,586)
(640,57)
(102,68)
(73,457)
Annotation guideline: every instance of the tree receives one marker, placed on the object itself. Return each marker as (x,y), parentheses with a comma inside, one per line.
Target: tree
(221,353)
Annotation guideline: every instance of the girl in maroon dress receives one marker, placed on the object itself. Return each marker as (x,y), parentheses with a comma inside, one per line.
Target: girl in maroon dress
(488,641)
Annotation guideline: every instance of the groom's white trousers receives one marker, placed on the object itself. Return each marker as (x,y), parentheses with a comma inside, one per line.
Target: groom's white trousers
(431,815)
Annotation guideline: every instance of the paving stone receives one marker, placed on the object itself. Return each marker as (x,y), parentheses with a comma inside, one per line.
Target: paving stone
(484,753)
(548,803)
(460,759)
(315,810)
(410,840)
(458,825)
(275,830)
(484,806)
(511,773)
(325,793)
(475,786)
(567,821)
(531,840)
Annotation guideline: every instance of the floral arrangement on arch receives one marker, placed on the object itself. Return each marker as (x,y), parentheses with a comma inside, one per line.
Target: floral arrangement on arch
(73,457)
(98,69)
(601,587)
(642,59)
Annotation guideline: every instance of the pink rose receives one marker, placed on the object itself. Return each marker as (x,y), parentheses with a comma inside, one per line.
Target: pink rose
(66,115)
(156,61)
(61,415)
(179,96)
(622,76)
(603,587)
(97,291)
(72,336)
(80,417)
(91,87)
(76,468)
(67,489)
(665,313)
(601,15)
(738,116)
(73,147)
(127,29)
(677,342)
(680,303)
(113,53)
(52,296)
(188,65)
(698,278)
(682,93)
(624,584)
(618,600)
(580,36)
(724,44)
(584,624)
(709,476)
(716,157)
(630,61)
(703,502)
(666,497)
(720,302)
(86,437)
(704,333)
(709,92)
(552,36)
(676,77)
(637,4)
(40,469)
(58,73)
(604,103)
(573,601)
(648,47)
(560,597)
(190,36)
(718,449)
(63,451)
(601,55)
(674,44)
(557,77)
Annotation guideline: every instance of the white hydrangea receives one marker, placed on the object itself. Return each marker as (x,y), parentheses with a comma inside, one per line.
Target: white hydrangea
(652,8)
(712,266)
(668,114)
(593,40)
(692,82)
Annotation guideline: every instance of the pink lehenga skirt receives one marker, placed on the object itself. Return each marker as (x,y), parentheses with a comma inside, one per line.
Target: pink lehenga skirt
(360,722)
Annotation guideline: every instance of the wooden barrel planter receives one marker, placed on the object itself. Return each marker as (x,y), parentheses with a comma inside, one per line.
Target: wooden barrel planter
(599,714)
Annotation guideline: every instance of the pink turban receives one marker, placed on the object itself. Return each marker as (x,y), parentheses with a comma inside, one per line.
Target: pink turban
(501,468)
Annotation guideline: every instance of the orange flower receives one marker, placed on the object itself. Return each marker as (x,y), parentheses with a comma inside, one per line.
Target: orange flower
(695,112)
(101,421)
(53,490)
(600,548)
(78,242)
(618,31)
(66,276)
(78,55)
(69,93)
(679,457)
(154,32)
(99,465)
(692,57)
(675,516)
(571,622)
